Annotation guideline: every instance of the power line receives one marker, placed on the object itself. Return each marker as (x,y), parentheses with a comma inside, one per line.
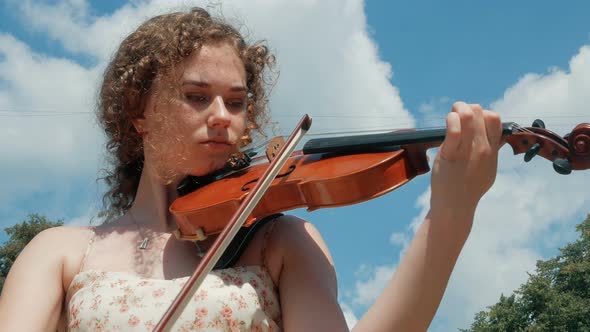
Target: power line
(39,113)
(50,113)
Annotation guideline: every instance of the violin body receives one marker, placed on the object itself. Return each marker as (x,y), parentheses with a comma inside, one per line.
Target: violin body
(312,181)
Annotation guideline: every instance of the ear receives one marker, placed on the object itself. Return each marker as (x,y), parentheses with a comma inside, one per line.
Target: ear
(133,101)
(139,124)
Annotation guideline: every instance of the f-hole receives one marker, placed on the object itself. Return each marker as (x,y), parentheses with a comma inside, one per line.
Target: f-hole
(246,186)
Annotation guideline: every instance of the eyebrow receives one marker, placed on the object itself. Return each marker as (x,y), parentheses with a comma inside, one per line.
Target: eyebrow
(233,88)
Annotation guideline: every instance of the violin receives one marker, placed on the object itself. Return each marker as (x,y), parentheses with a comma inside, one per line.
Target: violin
(331,172)
(339,171)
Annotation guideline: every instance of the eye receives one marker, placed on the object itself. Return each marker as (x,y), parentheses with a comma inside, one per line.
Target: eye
(236,104)
(197,98)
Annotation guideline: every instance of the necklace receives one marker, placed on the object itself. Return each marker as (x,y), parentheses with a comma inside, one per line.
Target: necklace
(143,244)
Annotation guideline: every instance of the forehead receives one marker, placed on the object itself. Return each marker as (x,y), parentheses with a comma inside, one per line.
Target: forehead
(215,63)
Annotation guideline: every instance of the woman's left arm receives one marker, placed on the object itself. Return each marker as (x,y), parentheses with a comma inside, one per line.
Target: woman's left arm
(464,169)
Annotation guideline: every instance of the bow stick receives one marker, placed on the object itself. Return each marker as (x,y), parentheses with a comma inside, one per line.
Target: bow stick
(225,237)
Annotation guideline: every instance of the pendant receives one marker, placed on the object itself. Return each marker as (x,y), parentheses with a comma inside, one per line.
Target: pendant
(143,243)
(200,252)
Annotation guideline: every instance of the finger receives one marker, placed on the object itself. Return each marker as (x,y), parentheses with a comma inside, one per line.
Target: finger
(480,137)
(493,125)
(449,148)
(467,128)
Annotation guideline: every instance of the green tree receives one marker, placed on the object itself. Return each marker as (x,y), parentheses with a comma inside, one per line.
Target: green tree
(20,235)
(555,298)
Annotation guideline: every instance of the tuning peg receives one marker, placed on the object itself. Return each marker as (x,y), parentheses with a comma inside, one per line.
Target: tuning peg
(538,123)
(533,151)
(248,156)
(562,166)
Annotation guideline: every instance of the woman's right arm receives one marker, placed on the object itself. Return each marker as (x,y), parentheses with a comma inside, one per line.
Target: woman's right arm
(33,292)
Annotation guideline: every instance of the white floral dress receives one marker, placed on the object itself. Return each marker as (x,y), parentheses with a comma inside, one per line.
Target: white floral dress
(233,299)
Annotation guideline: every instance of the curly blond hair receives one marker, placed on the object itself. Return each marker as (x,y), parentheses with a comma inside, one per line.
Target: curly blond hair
(155,47)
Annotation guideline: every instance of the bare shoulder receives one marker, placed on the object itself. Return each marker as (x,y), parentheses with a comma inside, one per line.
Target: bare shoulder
(294,244)
(63,245)
(297,236)
(62,238)
(57,239)
(37,279)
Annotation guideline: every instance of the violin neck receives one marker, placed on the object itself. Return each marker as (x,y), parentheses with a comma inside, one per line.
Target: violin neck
(385,141)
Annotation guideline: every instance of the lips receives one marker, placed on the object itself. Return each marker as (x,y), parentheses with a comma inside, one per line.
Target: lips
(217,143)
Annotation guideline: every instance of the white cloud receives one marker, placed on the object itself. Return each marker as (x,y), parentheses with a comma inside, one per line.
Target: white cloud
(40,153)
(400,239)
(349,315)
(328,65)
(323,51)
(426,107)
(367,291)
(529,209)
(433,112)
(556,96)
(72,25)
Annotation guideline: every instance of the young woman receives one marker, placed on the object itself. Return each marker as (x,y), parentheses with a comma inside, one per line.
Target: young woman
(181,95)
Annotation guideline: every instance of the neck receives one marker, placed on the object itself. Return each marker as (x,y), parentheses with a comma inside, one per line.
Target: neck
(396,139)
(150,207)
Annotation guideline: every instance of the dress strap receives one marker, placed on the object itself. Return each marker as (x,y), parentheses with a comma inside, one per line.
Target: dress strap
(88,248)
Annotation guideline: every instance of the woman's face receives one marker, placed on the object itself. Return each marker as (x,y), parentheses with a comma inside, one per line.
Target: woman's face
(195,117)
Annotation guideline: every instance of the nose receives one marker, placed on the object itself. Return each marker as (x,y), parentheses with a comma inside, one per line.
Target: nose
(219,116)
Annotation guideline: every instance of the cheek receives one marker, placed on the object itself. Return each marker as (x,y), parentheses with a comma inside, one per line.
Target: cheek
(176,127)
(168,147)
(240,124)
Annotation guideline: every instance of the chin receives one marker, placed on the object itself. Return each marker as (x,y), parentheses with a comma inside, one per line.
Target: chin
(208,168)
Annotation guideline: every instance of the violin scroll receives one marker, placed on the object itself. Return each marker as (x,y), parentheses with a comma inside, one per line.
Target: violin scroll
(571,152)
(579,140)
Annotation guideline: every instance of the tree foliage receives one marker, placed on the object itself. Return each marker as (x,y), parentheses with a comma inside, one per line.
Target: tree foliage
(20,235)
(555,298)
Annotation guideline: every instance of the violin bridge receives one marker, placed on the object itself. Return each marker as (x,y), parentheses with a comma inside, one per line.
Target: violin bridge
(274,146)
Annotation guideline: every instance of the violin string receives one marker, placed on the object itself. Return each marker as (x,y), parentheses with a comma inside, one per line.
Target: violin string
(374,130)
(265,142)
(429,117)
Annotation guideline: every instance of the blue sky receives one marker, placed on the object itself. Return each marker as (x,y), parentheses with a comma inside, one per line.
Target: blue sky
(441,48)
(405,61)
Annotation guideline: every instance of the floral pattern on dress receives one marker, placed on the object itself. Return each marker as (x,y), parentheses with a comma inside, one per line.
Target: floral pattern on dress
(234,299)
